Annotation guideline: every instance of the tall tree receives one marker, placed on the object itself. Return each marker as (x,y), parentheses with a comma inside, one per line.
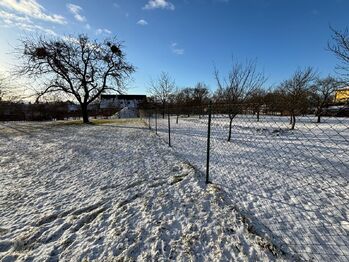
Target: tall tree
(296,92)
(79,67)
(242,80)
(162,89)
(322,94)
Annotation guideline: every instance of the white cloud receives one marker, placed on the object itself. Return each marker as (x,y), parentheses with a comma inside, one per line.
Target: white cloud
(23,23)
(100,31)
(161,4)
(32,9)
(88,27)
(142,22)
(75,10)
(6,16)
(176,50)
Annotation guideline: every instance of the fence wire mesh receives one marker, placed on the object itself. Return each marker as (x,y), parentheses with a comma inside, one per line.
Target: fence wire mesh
(294,182)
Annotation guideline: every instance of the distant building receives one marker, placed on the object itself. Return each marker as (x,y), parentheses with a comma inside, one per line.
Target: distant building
(342,95)
(121,106)
(121,101)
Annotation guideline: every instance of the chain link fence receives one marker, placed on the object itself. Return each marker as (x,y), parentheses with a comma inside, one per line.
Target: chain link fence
(294,182)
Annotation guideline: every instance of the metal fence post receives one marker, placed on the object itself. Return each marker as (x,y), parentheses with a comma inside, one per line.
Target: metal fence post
(156,121)
(169,129)
(208,143)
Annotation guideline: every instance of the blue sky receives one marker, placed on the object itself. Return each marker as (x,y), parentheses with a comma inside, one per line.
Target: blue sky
(186,38)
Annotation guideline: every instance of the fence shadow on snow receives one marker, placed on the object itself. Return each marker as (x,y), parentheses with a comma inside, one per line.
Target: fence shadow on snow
(295,182)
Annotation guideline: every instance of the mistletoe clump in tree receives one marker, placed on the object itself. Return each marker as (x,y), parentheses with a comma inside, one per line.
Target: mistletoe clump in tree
(77,67)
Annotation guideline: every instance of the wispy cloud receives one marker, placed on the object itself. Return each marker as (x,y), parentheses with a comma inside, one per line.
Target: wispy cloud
(8,19)
(76,10)
(11,18)
(176,50)
(32,9)
(142,22)
(100,31)
(159,4)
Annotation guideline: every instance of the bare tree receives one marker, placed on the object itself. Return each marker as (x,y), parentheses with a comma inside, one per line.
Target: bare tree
(179,102)
(296,92)
(79,67)
(241,81)
(322,94)
(257,100)
(184,101)
(162,89)
(339,46)
(200,94)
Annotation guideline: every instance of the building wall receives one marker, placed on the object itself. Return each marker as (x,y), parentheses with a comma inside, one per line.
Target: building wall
(109,103)
(342,95)
(116,103)
(129,103)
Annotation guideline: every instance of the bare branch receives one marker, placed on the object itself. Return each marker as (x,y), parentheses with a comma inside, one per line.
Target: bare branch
(339,46)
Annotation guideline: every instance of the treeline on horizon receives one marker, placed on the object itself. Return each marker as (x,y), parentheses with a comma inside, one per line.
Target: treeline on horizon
(242,91)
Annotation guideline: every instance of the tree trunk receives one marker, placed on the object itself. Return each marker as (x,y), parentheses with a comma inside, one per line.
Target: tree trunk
(84,114)
(258,116)
(177,119)
(318,113)
(230,124)
(293,121)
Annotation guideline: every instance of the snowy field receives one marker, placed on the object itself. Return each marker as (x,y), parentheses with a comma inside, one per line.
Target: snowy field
(293,182)
(115,192)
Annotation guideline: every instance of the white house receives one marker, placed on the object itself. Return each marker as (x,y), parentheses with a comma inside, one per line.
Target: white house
(126,105)
(121,101)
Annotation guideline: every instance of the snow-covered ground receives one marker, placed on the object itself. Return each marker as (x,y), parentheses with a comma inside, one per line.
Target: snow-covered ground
(293,182)
(114,192)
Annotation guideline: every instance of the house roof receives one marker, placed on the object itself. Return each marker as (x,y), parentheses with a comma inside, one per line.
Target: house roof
(108,96)
(126,97)
(343,89)
(130,97)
